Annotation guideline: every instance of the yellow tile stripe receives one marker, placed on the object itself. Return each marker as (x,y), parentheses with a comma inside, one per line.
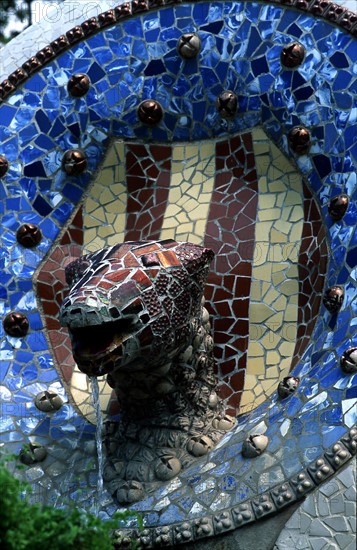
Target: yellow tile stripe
(273,310)
(191,187)
(104,217)
(104,209)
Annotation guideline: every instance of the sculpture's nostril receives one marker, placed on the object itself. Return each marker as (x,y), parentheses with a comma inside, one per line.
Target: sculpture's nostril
(114,312)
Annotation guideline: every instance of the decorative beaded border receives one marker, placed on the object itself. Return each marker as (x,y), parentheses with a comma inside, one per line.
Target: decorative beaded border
(325,9)
(251,510)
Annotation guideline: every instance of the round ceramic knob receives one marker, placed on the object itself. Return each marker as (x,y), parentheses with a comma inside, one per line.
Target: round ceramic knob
(254,445)
(47,401)
(199,445)
(225,423)
(349,361)
(28,235)
(32,453)
(78,85)
(213,400)
(74,162)
(4,165)
(333,299)
(167,467)
(227,104)
(189,45)
(16,324)
(150,112)
(338,206)
(128,492)
(287,386)
(299,140)
(292,55)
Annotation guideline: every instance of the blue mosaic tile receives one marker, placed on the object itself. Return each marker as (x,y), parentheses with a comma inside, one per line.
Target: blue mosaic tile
(248,62)
(47,377)
(330,378)
(330,434)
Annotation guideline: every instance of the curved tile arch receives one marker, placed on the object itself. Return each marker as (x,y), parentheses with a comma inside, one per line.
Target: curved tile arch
(301,429)
(330,11)
(57,19)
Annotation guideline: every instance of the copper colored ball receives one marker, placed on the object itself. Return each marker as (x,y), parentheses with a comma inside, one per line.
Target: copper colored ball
(299,140)
(333,299)
(227,104)
(74,162)
(349,361)
(78,85)
(16,324)
(292,55)
(338,206)
(4,165)
(150,112)
(28,235)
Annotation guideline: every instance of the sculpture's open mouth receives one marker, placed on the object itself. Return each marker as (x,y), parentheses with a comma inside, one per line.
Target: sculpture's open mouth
(96,347)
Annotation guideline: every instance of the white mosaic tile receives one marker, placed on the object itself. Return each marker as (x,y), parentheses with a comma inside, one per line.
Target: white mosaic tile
(327,518)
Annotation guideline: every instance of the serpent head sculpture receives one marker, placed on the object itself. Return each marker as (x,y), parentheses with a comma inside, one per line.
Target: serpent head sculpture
(135,312)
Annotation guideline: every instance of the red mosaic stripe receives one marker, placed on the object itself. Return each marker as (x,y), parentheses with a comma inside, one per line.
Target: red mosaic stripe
(148,173)
(52,288)
(312,271)
(74,232)
(230,233)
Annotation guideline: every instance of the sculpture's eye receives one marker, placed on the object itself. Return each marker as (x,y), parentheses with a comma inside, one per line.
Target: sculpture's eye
(75,270)
(150,260)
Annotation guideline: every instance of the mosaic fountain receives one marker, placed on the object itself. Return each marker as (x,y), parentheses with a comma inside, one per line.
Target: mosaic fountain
(143,127)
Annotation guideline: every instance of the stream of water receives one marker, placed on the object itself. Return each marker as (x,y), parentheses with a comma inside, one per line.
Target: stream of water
(99,443)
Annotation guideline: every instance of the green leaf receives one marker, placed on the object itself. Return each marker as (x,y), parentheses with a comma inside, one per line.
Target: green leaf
(24,526)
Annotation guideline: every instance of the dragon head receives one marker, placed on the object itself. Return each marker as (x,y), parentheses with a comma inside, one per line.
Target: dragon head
(135,304)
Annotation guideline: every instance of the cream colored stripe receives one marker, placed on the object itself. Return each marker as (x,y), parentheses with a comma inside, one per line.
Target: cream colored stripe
(104,210)
(104,216)
(273,310)
(191,188)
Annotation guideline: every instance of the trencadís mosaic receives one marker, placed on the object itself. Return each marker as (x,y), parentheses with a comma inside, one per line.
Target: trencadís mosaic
(137,60)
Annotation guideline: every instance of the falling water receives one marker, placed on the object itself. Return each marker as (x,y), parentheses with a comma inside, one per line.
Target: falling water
(98,437)
(68,479)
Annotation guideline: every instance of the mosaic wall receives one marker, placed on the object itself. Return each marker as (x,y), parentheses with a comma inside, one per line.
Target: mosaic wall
(263,318)
(197,174)
(327,518)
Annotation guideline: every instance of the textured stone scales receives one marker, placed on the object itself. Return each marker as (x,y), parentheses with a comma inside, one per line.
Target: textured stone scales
(135,312)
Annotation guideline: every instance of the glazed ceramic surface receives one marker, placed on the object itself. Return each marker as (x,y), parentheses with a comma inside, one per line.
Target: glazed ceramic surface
(237,184)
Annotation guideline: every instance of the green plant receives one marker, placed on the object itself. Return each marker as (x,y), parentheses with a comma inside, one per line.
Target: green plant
(24,525)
